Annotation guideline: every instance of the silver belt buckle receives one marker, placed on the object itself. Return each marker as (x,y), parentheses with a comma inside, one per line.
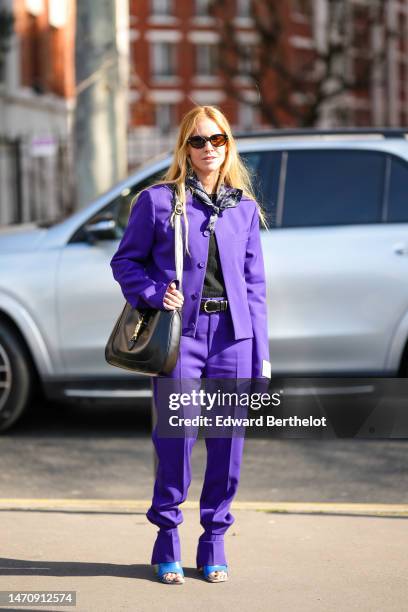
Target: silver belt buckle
(205,306)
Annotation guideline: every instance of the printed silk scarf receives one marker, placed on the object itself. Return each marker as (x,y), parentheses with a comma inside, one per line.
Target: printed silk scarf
(227,197)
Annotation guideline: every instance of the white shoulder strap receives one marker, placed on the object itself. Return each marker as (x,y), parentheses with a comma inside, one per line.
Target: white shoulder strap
(178,239)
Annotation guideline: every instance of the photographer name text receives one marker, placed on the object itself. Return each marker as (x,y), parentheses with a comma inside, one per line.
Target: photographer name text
(260,421)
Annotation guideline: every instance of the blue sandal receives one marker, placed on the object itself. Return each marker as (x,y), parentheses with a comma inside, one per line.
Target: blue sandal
(206,570)
(165,568)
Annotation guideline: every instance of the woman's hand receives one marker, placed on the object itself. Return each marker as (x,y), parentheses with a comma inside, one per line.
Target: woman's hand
(173,298)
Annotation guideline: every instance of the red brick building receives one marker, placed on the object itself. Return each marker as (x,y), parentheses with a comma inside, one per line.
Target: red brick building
(174,62)
(46,29)
(173,57)
(37,96)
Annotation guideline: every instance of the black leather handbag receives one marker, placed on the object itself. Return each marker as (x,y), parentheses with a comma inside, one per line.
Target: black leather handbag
(147,340)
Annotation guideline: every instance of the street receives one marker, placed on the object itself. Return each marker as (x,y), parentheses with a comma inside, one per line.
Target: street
(76,482)
(105,452)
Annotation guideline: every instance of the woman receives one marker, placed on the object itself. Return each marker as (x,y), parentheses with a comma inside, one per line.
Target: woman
(224,316)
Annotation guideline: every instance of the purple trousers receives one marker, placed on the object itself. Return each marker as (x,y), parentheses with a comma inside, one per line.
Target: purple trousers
(213,353)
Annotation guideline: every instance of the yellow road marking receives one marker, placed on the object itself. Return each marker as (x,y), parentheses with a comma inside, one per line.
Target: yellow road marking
(131,505)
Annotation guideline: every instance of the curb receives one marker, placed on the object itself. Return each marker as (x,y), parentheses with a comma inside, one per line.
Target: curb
(131,506)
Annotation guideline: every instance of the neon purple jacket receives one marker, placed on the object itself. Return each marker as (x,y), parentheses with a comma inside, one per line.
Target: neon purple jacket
(144,264)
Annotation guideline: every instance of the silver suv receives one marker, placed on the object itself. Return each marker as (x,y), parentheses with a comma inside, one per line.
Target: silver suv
(336,259)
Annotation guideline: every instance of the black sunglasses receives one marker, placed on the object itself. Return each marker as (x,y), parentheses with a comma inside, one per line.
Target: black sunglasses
(217,140)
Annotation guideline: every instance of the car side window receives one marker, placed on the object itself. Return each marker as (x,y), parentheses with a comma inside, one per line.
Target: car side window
(331,187)
(119,208)
(124,203)
(253,161)
(398,191)
(264,168)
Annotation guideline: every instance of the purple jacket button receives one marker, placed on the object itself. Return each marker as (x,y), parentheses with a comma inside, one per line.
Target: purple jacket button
(194,295)
(201,264)
(206,232)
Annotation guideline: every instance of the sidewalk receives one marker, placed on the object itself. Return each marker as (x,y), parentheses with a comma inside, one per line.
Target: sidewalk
(278,561)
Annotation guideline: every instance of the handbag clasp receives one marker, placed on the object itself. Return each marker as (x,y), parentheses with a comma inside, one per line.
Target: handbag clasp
(133,338)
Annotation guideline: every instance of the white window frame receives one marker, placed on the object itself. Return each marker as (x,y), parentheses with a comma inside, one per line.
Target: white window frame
(163,59)
(58,13)
(35,7)
(245,64)
(243,8)
(162,8)
(248,116)
(201,8)
(206,59)
(164,116)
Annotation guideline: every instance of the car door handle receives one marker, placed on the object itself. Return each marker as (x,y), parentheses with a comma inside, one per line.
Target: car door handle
(400,249)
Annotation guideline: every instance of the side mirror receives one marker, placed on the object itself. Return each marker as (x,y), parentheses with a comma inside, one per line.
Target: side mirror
(102,227)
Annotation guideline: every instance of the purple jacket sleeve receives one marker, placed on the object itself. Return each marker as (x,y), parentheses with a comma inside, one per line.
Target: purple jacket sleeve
(128,263)
(256,291)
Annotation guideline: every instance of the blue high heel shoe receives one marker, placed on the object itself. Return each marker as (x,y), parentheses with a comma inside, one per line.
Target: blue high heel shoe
(165,568)
(206,570)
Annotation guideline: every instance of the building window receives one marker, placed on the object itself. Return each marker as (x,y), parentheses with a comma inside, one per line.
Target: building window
(7,31)
(201,8)
(165,118)
(302,8)
(244,8)
(35,7)
(58,13)
(163,59)
(248,63)
(206,59)
(162,7)
(247,116)
(34,72)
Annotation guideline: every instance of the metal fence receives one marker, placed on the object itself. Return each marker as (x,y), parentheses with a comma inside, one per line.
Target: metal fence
(146,142)
(36,180)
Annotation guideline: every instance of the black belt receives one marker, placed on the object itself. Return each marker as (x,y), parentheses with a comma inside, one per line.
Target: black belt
(210,305)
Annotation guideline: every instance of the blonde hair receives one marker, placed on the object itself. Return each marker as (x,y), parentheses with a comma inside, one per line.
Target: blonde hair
(233,171)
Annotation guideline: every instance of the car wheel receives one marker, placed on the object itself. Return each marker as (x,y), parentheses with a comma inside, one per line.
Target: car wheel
(403,368)
(15,377)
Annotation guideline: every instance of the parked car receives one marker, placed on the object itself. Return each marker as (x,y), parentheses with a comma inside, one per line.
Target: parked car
(336,258)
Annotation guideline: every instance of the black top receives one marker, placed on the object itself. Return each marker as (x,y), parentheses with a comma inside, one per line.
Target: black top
(214,280)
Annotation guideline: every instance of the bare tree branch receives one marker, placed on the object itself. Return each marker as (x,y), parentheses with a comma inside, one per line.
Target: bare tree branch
(343,64)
